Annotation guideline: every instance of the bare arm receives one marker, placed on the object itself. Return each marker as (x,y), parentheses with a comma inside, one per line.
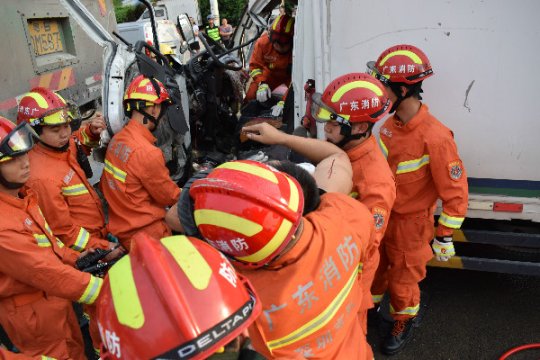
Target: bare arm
(333,172)
(172,219)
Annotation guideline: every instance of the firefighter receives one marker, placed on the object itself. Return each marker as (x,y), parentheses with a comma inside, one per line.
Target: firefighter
(271,62)
(135,180)
(424,159)
(349,107)
(301,251)
(38,280)
(174,298)
(66,197)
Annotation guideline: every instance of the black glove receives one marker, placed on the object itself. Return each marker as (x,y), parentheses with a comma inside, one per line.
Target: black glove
(185,206)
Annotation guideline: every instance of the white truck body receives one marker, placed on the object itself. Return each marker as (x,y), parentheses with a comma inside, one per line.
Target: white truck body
(170,9)
(485,84)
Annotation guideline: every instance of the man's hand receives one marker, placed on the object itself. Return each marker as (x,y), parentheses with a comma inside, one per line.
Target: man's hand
(277,109)
(97,124)
(117,252)
(263,92)
(443,247)
(264,133)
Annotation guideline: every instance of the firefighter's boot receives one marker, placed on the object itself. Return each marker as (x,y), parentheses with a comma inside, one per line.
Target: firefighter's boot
(399,336)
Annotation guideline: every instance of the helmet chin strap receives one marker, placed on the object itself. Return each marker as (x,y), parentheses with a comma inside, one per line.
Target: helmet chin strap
(412,90)
(55,148)
(346,132)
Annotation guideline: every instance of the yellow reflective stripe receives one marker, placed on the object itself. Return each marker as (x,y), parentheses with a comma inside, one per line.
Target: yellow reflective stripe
(276,21)
(250,169)
(383,147)
(255,72)
(74,190)
(272,245)
(82,240)
(281,234)
(411,310)
(126,301)
(6,158)
(353,194)
(319,321)
(144,82)
(412,165)
(227,221)
(289,25)
(92,290)
(453,222)
(143,96)
(190,260)
(377,298)
(41,101)
(59,243)
(407,53)
(43,357)
(42,240)
(355,85)
(294,200)
(118,174)
(360,268)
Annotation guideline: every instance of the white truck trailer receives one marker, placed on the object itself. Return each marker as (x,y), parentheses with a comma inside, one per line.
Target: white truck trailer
(485,87)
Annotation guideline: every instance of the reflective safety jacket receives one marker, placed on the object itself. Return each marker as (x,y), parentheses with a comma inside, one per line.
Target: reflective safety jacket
(269,66)
(373,183)
(67,199)
(213,32)
(33,259)
(423,157)
(375,187)
(136,184)
(311,295)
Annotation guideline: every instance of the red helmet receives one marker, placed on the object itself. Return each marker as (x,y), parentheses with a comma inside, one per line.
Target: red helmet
(354,97)
(282,29)
(144,92)
(176,298)
(15,140)
(42,106)
(401,64)
(248,210)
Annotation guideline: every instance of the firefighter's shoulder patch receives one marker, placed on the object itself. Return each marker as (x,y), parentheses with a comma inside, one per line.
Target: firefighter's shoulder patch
(379,215)
(455,170)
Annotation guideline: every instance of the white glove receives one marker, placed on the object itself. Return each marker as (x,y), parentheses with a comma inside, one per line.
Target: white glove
(443,247)
(277,109)
(260,157)
(263,92)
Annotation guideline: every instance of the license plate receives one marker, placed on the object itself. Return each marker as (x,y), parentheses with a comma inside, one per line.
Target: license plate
(46,36)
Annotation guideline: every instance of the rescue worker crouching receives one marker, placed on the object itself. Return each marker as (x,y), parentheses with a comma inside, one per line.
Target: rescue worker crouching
(423,156)
(349,107)
(38,280)
(174,298)
(135,180)
(300,251)
(271,62)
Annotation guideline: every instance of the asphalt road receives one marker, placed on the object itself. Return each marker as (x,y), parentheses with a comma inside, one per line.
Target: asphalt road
(473,315)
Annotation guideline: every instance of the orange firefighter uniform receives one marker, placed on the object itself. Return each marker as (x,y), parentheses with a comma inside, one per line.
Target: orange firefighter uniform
(66,197)
(269,66)
(37,282)
(375,187)
(315,312)
(424,158)
(136,185)
(8,355)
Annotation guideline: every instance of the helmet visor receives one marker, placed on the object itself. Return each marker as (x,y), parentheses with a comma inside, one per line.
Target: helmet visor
(322,112)
(372,70)
(19,141)
(56,116)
